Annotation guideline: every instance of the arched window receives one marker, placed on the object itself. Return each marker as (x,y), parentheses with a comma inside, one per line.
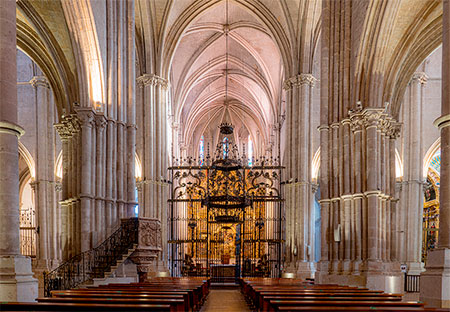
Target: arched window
(201,151)
(226,147)
(136,208)
(250,151)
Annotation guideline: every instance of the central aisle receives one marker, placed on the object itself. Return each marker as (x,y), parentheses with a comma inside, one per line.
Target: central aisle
(225,300)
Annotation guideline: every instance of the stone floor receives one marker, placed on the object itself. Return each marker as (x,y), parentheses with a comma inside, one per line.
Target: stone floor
(225,300)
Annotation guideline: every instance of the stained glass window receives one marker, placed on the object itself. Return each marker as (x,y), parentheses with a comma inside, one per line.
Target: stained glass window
(201,152)
(136,208)
(225,144)
(250,151)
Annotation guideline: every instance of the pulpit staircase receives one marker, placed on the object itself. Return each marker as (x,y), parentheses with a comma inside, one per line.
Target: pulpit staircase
(99,262)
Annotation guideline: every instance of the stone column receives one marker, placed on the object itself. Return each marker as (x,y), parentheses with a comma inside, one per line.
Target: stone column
(412,177)
(299,203)
(154,189)
(356,201)
(100,124)
(65,137)
(44,180)
(42,189)
(16,281)
(435,281)
(86,117)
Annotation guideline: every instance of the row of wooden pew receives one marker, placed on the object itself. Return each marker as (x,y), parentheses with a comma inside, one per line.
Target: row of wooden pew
(265,294)
(158,294)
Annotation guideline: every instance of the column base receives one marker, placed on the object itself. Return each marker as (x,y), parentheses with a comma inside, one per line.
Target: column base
(301,269)
(435,281)
(39,267)
(16,279)
(373,275)
(158,269)
(415,268)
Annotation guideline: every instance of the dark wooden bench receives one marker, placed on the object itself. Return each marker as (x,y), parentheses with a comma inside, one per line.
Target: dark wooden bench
(276,304)
(84,307)
(176,305)
(361,309)
(266,295)
(166,294)
(196,296)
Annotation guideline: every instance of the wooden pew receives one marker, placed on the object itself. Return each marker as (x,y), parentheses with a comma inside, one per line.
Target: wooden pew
(267,295)
(165,294)
(82,307)
(128,293)
(196,296)
(176,305)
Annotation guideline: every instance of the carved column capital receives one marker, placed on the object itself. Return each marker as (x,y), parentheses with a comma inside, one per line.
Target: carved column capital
(371,117)
(299,80)
(86,117)
(63,131)
(419,77)
(356,122)
(39,81)
(100,122)
(73,123)
(394,130)
(153,80)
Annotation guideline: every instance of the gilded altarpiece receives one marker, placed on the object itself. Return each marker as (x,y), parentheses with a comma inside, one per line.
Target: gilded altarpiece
(430,224)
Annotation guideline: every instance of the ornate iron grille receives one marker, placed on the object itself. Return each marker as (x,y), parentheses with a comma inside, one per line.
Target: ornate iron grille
(28,232)
(225,217)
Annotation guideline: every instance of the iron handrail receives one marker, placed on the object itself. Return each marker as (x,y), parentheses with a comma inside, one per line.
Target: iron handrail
(94,262)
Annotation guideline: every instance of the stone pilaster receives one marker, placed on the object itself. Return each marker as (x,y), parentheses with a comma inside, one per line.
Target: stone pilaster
(412,192)
(86,118)
(357,214)
(100,124)
(435,281)
(299,197)
(154,189)
(16,281)
(44,184)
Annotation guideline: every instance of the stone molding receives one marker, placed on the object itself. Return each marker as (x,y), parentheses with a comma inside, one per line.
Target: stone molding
(442,122)
(153,80)
(10,128)
(299,80)
(323,127)
(420,77)
(39,81)
(298,183)
(153,182)
(358,196)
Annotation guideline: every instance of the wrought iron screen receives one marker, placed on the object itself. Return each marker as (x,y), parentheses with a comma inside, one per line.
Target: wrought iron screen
(28,232)
(226,217)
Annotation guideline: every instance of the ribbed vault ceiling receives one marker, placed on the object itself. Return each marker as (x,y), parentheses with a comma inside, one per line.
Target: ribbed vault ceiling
(199,71)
